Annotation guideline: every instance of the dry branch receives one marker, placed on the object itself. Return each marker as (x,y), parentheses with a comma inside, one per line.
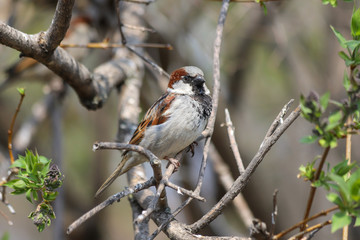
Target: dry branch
(226,179)
(92,89)
(242,180)
(114,198)
(233,144)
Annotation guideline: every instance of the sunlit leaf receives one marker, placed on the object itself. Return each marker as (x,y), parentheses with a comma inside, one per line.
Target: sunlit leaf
(21,91)
(340,220)
(334,120)
(355,24)
(339,37)
(324,100)
(309,139)
(28,195)
(346,82)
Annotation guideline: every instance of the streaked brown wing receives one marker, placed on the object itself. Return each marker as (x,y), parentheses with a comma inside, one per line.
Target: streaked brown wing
(154,116)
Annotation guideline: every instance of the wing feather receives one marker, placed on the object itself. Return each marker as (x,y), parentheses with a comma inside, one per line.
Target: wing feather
(154,116)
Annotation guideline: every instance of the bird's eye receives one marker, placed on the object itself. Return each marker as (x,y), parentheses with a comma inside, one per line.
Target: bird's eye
(186,78)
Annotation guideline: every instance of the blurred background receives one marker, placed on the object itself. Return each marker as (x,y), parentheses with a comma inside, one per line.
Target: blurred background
(266,60)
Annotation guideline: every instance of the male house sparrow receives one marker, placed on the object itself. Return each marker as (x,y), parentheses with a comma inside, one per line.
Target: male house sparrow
(172,123)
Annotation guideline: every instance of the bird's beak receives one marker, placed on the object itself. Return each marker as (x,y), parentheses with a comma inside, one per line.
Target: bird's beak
(199,80)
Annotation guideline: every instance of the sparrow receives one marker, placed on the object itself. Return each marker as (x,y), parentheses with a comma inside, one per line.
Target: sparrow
(172,123)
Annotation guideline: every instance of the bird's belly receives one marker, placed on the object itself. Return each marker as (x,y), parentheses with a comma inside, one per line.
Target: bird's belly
(181,129)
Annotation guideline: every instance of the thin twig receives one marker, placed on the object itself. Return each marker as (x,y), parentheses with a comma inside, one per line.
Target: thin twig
(226,180)
(105,45)
(117,7)
(242,180)
(160,195)
(279,119)
(39,112)
(172,216)
(12,171)
(313,189)
(3,192)
(233,144)
(153,204)
(146,2)
(60,23)
(216,67)
(147,60)
(11,129)
(182,191)
(116,197)
(249,1)
(216,91)
(123,146)
(310,229)
(6,218)
(322,213)
(139,28)
(141,230)
(159,185)
(94,88)
(345,233)
(274,213)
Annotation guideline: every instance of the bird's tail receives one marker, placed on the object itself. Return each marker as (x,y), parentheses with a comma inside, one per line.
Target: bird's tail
(118,171)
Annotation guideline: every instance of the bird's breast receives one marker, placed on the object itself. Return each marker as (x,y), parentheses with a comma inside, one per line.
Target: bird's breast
(184,125)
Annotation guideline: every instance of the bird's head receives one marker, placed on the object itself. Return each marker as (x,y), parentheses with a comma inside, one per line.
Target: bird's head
(188,80)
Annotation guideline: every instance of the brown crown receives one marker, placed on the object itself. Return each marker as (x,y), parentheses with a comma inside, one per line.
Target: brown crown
(176,76)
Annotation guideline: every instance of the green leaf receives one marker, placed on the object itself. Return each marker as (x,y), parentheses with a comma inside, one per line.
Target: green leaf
(357,222)
(262,4)
(6,236)
(334,120)
(28,195)
(41,227)
(50,196)
(339,37)
(344,56)
(332,2)
(352,44)
(354,182)
(44,160)
(46,167)
(323,143)
(333,143)
(355,24)
(340,220)
(37,168)
(334,198)
(342,168)
(344,188)
(11,183)
(20,184)
(309,139)
(18,191)
(346,82)
(324,101)
(19,163)
(21,91)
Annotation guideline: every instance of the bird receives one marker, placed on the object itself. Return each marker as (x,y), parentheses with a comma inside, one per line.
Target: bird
(172,123)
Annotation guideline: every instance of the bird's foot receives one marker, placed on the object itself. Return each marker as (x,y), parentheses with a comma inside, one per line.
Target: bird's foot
(174,162)
(192,148)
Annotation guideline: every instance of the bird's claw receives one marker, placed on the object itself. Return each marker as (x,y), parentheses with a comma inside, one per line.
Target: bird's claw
(192,148)
(174,162)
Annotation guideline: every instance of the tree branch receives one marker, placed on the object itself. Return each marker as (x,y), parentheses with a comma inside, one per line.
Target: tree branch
(242,180)
(233,144)
(114,198)
(226,179)
(93,89)
(58,27)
